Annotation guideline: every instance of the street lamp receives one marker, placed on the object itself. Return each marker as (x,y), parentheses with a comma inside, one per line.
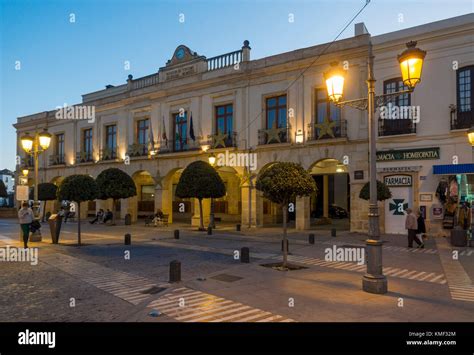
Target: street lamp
(212,223)
(25,171)
(470,135)
(34,146)
(411,63)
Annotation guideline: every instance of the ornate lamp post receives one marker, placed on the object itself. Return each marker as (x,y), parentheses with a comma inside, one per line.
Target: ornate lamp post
(411,63)
(34,146)
(212,223)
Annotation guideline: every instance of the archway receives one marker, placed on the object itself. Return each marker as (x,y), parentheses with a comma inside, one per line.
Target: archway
(229,207)
(144,202)
(331,204)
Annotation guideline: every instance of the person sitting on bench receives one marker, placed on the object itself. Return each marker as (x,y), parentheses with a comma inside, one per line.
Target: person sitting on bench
(108,216)
(158,217)
(98,217)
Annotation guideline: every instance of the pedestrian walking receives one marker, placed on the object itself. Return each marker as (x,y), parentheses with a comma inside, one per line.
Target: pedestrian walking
(25,216)
(421,228)
(411,225)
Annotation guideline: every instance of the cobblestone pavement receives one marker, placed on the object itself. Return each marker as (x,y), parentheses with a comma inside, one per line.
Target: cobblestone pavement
(110,281)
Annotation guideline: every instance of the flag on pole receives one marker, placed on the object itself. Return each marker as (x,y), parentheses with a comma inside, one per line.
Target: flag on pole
(191,128)
(164,137)
(151,139)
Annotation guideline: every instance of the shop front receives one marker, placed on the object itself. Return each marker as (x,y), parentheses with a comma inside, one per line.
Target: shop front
(455,194)
(408,174)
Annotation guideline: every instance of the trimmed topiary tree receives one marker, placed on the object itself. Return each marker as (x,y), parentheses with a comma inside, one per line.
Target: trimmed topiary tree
(115,184)
(200,180)
(281,183)
(78,188)
(383,192)
(47,191)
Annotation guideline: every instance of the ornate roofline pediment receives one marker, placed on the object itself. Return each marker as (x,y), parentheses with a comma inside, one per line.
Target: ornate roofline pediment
(183,54)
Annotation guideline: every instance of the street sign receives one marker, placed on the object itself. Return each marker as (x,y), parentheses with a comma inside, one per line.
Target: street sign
(22,193)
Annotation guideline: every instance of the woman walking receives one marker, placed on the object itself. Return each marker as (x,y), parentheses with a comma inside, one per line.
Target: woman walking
(25,215)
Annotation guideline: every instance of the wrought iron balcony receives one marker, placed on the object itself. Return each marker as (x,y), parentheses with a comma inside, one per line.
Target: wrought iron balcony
(392,127)
(461,120)
(327,130)
(56,159)
(222,140)
(274,135)
(137,150)
(84,157)
(171,146)
(108,153)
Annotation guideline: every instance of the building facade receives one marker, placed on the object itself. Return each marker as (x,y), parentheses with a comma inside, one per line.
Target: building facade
(274,109)
(8,178)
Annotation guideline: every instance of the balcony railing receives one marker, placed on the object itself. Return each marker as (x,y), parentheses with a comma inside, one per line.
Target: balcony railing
(108,154)
(56,159)
(333,129)
(222,140)
(84,156)
(274,135)
(170,147)
(137,150)
(461,120)
(224,60)
(28,161)
(145,81)
(392,127)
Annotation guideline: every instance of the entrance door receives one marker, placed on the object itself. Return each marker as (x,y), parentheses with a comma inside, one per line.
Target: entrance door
(395,206)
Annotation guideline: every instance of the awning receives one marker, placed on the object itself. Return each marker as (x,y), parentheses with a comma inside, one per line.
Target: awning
(453,169)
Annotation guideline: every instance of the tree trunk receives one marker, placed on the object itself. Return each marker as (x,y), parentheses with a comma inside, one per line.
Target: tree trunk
(201,221)
(113,212)
(44,209)
(78,223)
(285,249)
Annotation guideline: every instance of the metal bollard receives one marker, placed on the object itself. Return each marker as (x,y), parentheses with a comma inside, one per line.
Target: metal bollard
(245,255)
(175,271)
(209,230)
(176,234)
(237,227)
(128,239)
(311,238)
(333,232)
(287,246)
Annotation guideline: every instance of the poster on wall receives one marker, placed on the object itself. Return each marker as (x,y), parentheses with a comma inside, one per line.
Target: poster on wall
(437,211)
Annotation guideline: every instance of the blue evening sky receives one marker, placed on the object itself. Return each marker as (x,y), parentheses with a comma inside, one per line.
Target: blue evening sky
(61,60)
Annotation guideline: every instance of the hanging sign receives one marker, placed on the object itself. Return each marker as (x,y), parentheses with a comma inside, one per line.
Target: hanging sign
(398,180)
(408,154)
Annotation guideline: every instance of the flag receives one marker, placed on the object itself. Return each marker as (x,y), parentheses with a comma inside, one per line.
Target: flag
(164,132)
(151,139)
(191,128)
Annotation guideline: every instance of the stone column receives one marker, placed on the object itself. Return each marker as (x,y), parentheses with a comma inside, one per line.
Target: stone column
(303,213)
(167,203)
(158,198)
(326,196)
(244,191)
(206,210)
(129,205)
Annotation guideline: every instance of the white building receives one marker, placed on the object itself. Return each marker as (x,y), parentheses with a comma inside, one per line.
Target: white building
(277,108)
